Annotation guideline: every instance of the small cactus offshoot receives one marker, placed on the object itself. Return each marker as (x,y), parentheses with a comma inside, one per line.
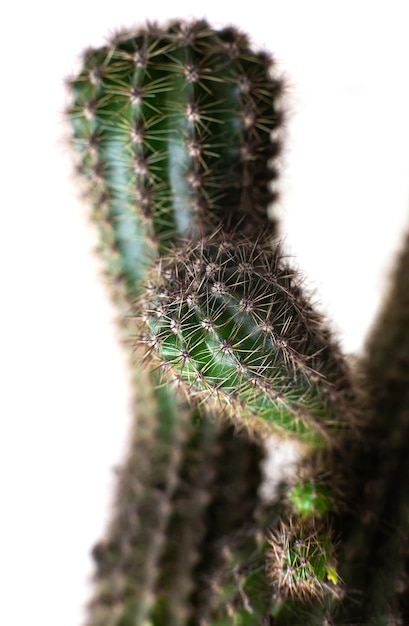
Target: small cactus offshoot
(302,560)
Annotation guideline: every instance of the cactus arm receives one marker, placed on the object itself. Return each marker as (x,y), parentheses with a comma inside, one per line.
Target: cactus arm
(387,587)
(231,325)
(386,366)
(187,306)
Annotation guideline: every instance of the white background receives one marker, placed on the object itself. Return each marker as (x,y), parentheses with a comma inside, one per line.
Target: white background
(344,204)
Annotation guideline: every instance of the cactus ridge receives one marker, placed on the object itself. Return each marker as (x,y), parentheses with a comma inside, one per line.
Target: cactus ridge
(174,130)
(240,333)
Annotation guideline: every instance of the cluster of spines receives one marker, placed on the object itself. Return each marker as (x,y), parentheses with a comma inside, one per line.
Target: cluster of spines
(145,198)
(228,322)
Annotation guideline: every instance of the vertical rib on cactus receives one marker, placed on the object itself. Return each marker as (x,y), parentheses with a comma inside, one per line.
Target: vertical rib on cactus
(229,323)
(174,130)
(386,597)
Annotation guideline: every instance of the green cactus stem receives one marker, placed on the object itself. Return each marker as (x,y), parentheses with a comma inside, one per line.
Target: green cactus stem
(174,129)
(229,323)
(386,598)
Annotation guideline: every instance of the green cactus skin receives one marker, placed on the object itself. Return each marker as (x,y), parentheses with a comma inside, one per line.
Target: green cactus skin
(174,129)
(230,324)
(311,498)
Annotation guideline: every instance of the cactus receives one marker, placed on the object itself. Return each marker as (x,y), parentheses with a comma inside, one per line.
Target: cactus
(176,135)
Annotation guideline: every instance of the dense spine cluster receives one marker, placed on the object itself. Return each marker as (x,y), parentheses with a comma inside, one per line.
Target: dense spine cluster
(302,560)
(228,322)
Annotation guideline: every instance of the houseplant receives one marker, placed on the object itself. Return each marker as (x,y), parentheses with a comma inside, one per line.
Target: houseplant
(176,131)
